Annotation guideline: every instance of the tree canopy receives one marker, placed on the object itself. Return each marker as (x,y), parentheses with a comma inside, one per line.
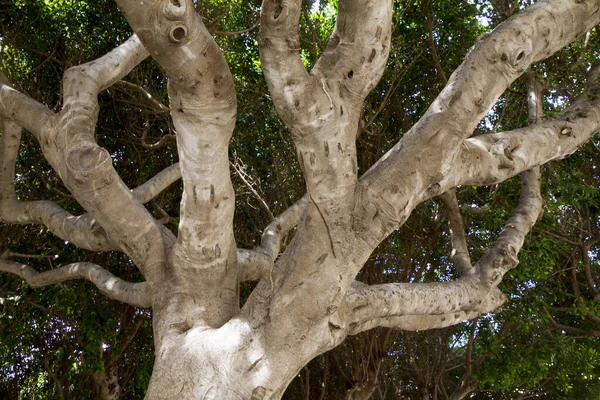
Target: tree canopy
(59,341)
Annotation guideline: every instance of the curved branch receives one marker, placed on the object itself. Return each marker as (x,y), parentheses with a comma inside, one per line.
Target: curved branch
(358,49)
(107,70)
(203,105)
(135,294)
(160,107)
(82,231)
(460,250)
(502,256)
(493,158)
(418,306)
(159,144)
(435,305)
(496,60)
(86,168)
(270,241)
(279,45)
(155,185)
(254,265)
(258,263)
(23,110)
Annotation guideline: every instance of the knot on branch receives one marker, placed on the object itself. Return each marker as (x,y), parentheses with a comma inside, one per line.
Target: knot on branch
(175,9)
(84,162)
(178,33)
(513,50)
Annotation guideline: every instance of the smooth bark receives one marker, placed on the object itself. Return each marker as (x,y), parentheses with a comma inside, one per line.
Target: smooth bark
(306,300)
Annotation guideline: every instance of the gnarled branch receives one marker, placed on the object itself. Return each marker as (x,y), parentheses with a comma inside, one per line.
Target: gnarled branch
(496,60)
(418,306)
(82,231)
(135,294)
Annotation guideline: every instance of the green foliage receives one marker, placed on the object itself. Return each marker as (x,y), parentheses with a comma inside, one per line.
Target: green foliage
(58,336)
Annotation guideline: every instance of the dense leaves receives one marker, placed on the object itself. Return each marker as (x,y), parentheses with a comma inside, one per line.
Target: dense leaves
(545,341)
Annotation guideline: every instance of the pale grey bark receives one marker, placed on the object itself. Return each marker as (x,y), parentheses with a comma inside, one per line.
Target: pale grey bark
(258,263)
(135,294)
(82,231)
(155,185)
(496,60)
(460,250)
(307,300)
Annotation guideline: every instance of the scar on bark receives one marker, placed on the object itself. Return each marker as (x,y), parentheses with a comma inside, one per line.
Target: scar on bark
(326,226)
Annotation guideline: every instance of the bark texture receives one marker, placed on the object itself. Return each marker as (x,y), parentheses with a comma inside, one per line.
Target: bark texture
(306,300)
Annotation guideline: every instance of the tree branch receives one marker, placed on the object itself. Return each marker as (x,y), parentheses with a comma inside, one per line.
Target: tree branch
(570,329)
(502,256)
(258,263)
(23,110)
(203,105)
(87,170)
(239,170)
(496,60)
(155,185)
(135,294)
(279,45)
(82,231)
(358,49)
(237,33)
(433,305)
(460,250)
(418,306)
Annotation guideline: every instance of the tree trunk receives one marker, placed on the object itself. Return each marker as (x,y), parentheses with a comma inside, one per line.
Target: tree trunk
(231,362)
(107,384)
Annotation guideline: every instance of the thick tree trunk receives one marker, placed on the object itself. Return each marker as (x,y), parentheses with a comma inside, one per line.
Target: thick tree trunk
(232,362)
(308,302)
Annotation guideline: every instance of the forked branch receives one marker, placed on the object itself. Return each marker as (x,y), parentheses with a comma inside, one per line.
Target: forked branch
(496,61)
(82,231)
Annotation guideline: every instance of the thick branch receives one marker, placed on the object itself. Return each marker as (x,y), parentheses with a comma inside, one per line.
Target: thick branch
(493,158)
(203,105)
(358,49)
(282,65)
(82,231)
(87,170)
(135,294)
(23,110)
(496,60)
(323,108)
(502,256)
(418,306)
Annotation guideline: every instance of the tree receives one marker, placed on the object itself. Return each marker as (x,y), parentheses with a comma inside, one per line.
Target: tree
(307,300)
